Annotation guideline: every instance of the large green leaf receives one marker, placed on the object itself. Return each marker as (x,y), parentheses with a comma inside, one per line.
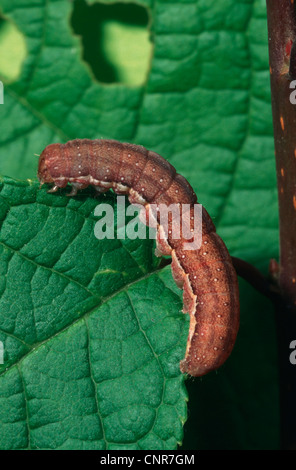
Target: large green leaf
(206,108)
(87,363)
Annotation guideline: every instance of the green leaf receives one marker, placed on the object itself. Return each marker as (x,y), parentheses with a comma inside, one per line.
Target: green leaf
(206,108)
(82,321)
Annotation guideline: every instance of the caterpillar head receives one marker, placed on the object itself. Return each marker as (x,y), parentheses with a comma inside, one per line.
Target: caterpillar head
(47,161)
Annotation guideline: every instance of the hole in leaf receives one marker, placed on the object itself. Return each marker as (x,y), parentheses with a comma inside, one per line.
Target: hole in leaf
(115,40)
(12,50)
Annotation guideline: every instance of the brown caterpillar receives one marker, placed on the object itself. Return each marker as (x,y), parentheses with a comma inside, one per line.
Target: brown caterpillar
(207,275)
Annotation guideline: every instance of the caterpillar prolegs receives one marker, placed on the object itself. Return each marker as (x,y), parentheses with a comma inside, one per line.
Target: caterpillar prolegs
(206,274)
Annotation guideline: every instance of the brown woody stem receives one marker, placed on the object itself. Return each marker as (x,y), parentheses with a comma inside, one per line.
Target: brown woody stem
(282,55)
(254,277)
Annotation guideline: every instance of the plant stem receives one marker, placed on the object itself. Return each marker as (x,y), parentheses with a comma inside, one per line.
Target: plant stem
(254,277)
(282,55)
